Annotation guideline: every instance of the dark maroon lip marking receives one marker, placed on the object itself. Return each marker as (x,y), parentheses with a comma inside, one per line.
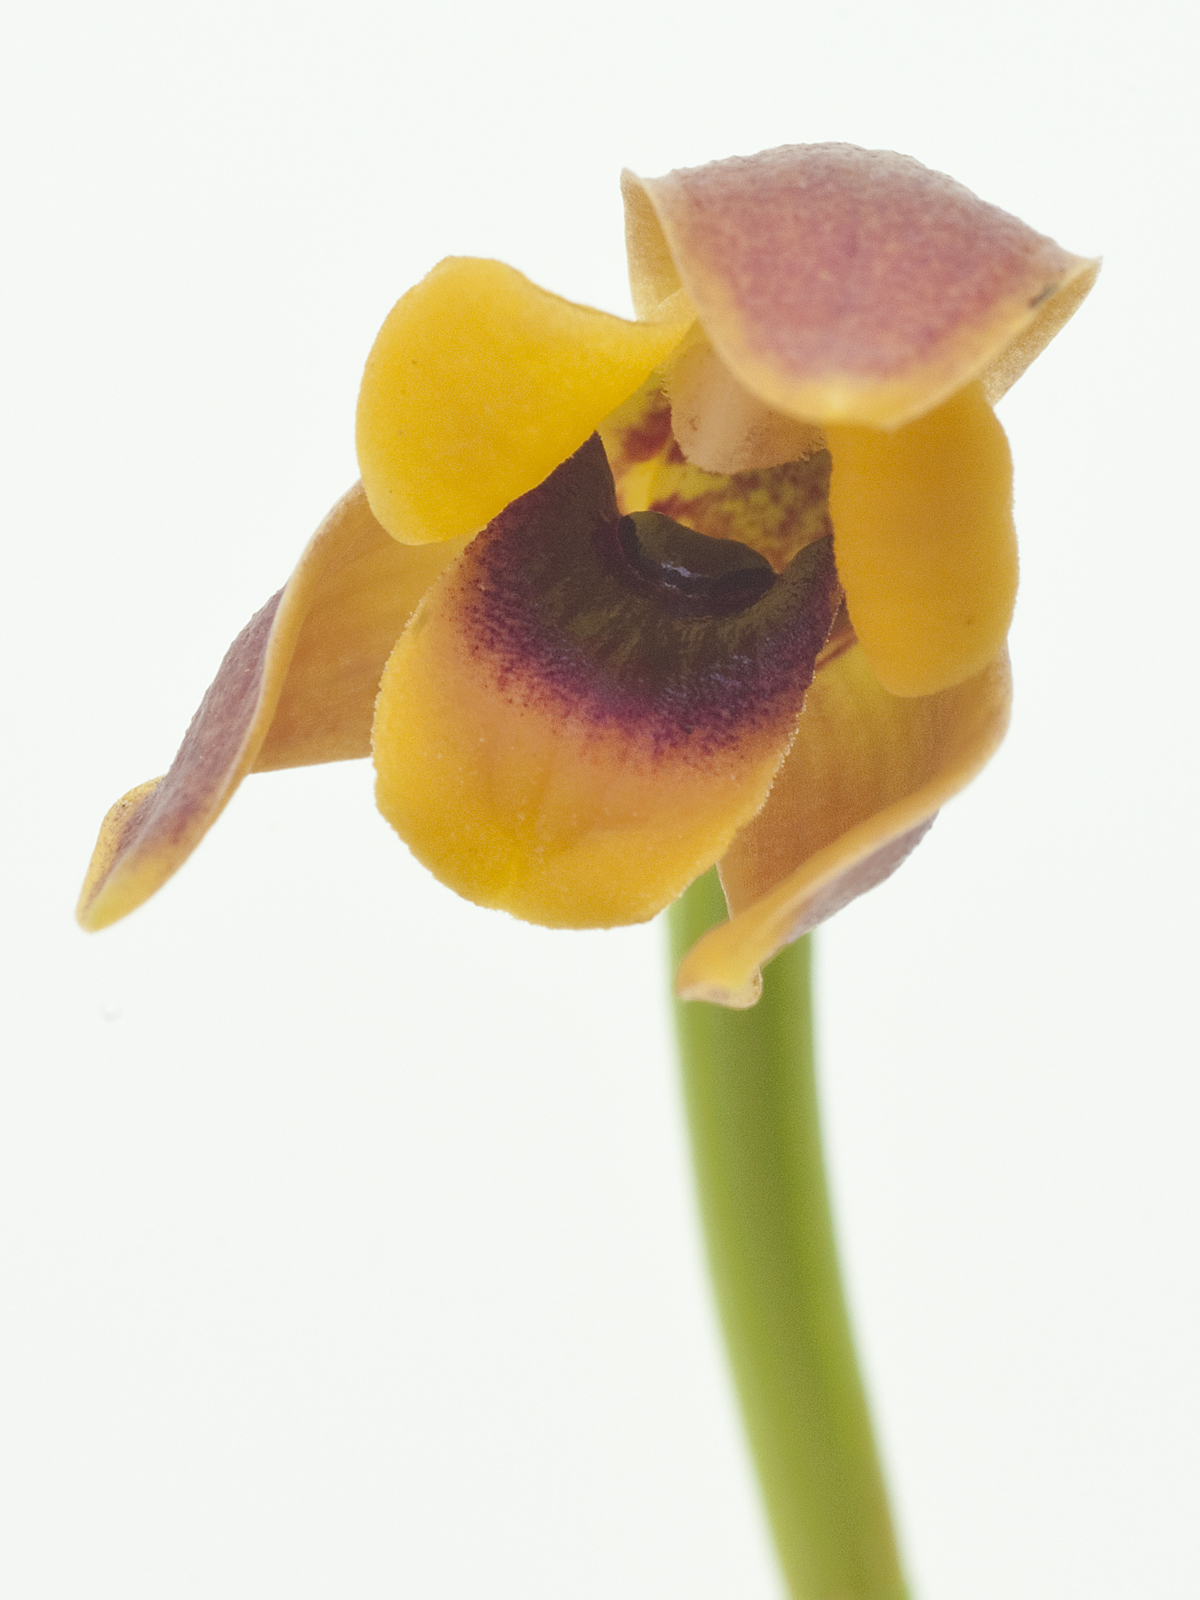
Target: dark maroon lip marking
(638,623)
(649,436)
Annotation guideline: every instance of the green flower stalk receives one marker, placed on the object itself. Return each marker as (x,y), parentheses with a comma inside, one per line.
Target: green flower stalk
(751,1099)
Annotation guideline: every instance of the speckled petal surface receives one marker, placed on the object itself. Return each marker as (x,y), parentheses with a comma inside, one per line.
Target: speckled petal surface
(560,735)
(774,510)
(296,687)
(849,285)
(479,384)
(863,781)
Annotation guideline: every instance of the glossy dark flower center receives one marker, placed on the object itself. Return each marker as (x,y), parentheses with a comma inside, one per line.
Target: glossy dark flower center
(687,573)
(637,622)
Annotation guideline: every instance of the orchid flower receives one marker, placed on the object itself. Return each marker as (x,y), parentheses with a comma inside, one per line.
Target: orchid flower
(616,601)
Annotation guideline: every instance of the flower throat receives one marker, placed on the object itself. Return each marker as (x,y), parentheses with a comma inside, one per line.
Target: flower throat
(687,573)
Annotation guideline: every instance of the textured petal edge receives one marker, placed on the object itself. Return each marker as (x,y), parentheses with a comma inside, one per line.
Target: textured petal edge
(900,350)
(724,967)
(149,833)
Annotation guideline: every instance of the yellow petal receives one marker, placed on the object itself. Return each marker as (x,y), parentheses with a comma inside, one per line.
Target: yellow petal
(479,384)
(560,735)
(297,687)
(775,510)
(864,779)
(925,544)
(848,285)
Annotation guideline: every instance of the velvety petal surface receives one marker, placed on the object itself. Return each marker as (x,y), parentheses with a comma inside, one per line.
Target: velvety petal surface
(480,383)
(849,285)
(863,781)
(775,510)
(575,724)
(925,544)
(296,687)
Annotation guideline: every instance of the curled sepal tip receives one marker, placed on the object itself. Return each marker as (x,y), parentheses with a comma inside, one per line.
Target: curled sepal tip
(297,686)
(861,785)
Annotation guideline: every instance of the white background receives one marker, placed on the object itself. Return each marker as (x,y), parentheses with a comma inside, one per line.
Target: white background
(346,1242)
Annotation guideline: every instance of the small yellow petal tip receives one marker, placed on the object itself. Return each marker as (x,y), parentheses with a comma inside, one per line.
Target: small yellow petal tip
(698,980)
(104,900)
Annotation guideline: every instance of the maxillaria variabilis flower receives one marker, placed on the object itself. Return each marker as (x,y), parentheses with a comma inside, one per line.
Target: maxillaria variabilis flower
(618,600)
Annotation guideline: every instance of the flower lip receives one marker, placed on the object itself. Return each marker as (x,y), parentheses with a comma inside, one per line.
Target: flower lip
(561,735)
(688,573)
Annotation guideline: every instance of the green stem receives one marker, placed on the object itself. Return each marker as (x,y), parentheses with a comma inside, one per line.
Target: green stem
(756,1143)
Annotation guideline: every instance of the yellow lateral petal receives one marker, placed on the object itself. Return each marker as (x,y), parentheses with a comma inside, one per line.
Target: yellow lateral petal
(552,739)
(864,779)
(925,545)
(479,384)
(849,285)
(297,687)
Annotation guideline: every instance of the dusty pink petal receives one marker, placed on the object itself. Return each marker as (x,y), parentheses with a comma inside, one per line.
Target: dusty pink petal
(297,686)
(848,285)
(861,785)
